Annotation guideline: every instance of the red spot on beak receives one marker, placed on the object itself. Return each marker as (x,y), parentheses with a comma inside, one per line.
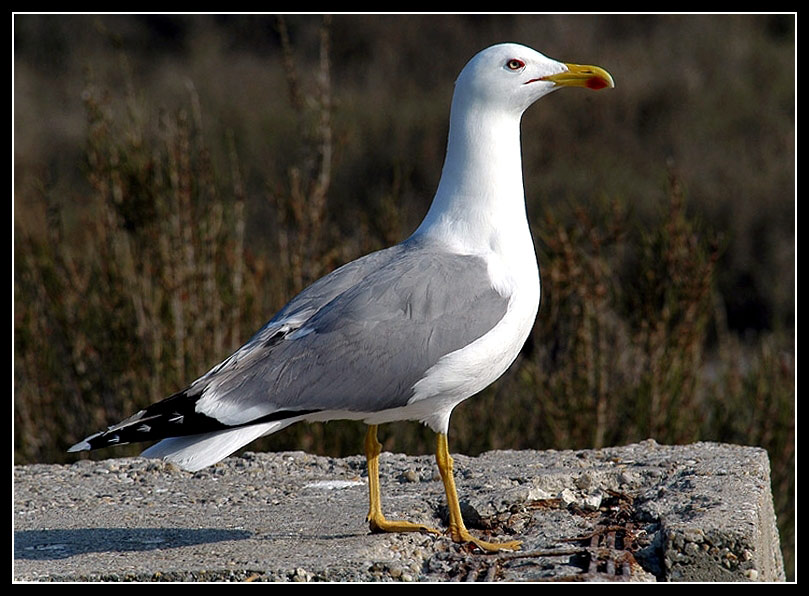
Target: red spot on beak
(596,83)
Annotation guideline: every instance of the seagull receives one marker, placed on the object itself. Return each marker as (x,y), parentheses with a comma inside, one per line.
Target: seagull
(404,333)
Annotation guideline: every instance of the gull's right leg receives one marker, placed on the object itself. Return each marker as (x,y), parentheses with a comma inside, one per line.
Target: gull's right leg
(376,520)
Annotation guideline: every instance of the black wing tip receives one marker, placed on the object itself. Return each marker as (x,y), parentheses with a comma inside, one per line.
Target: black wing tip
(97,441)
(80,446)
(175,416)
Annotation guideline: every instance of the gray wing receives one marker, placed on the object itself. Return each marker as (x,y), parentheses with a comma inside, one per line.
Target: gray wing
(358,339)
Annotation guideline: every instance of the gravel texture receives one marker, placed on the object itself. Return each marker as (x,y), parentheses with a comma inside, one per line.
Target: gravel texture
(643,512)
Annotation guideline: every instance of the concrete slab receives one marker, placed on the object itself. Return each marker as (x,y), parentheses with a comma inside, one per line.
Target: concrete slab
(642,512)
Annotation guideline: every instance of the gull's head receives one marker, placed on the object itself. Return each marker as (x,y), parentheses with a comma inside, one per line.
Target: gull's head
(511,77)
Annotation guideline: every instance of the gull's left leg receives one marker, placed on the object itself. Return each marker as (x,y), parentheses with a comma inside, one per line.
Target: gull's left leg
(376,520)
(457,528)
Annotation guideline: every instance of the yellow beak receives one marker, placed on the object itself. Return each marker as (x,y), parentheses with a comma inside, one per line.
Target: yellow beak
(580,75)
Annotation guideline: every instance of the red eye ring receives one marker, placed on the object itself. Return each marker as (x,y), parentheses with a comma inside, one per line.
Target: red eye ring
(515,64)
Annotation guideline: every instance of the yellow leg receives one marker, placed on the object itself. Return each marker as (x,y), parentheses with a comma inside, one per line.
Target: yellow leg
(457,529)
(376,520)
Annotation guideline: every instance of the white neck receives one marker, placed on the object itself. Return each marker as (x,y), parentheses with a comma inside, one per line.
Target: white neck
(480,202)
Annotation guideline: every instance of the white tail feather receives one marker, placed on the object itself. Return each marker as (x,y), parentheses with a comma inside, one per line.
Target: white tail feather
(194,452)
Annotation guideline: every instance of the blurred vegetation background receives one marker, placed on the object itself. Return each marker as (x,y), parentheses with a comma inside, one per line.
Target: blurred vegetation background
(178,178)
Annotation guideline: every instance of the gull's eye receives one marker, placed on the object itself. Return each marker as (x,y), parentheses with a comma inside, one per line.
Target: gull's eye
(515,64)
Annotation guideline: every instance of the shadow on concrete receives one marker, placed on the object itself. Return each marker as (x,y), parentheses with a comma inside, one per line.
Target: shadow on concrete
(43,545)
